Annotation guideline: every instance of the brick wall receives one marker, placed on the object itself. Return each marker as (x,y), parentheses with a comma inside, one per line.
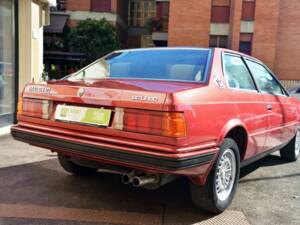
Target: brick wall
(189,23)
(289,84)
(78,5)
(265,31)
(287,61)
(86,5)
(235,24)
(72,23)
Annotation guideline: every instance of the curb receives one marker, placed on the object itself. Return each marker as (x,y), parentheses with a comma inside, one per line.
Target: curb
(5,131)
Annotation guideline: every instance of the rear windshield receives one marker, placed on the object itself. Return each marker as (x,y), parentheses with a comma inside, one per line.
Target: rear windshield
(174,65)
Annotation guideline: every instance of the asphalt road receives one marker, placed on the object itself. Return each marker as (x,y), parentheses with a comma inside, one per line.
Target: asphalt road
(35,190)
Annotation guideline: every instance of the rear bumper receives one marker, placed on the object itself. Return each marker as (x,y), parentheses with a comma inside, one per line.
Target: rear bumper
(177,163)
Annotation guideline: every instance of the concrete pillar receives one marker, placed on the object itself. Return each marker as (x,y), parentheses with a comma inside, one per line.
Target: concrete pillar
(25,44)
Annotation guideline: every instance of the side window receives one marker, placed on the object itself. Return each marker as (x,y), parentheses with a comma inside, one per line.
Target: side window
(265,81)
(237,74)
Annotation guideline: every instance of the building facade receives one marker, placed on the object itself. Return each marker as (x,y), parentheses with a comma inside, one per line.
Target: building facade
(266,29)
(21,50)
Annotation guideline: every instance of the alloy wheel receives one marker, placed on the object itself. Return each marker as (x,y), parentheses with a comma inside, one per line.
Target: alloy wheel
(226,174)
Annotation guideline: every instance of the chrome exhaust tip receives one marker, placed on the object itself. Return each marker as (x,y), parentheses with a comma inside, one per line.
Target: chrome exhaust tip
(127,178)
(144,180)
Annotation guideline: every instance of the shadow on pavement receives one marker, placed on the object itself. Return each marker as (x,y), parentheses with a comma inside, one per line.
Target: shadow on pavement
(46,184)
(271,160)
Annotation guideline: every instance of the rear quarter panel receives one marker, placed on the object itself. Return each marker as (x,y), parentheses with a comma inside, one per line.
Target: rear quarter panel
(212,111)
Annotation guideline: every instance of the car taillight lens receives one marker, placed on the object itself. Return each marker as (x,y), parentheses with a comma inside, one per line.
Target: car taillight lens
(35,108)
(170,124)
(20,106)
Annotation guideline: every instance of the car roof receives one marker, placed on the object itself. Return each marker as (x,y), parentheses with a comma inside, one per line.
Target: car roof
(161,48)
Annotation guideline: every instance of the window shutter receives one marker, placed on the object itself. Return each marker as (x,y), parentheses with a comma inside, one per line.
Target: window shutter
(220,14)
(248,11)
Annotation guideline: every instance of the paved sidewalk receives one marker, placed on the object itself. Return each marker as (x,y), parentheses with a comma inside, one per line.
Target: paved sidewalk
(4,131)
(14,153)
(35,190)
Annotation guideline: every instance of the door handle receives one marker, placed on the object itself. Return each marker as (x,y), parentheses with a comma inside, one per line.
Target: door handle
(269,107)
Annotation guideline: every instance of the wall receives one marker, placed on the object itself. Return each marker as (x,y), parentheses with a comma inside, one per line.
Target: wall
(36,43)
(189,24)
(287,58)
(24,43)
(265,31)
(235,24)
(78,5)
(32,17)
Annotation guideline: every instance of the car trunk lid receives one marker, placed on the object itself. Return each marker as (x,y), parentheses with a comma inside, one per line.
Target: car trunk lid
(136,94)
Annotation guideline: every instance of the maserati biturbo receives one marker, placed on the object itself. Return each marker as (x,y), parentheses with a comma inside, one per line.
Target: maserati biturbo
(153,115)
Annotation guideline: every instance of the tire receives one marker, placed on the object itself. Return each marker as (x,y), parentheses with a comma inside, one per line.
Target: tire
(73,168)
(207,197)
(291,151)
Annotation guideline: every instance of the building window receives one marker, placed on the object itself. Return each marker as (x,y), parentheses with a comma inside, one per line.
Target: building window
(218,41)
(101,5)
(140,12)
(163,10)
(245,47)
(246,43)
(248,10)
(7,62)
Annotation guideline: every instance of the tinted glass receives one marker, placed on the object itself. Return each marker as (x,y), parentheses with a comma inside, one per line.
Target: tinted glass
(7,73)
(265,81)
(237,74)
(181,65)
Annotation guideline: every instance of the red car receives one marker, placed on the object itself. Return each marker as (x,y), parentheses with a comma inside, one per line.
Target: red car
(153,115)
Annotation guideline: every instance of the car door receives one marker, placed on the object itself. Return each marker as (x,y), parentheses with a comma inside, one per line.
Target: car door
(249,103)
(281,112)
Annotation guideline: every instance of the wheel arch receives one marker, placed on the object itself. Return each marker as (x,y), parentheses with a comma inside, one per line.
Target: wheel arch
(236,130)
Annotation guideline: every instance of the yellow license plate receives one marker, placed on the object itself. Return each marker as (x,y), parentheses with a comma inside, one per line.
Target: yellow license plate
(85,115)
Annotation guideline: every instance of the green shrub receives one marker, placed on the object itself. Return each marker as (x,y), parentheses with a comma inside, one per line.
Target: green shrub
(94,38)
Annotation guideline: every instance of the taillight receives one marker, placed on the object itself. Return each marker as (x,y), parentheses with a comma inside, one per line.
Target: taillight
(20,106)
(169,124)
(35,108)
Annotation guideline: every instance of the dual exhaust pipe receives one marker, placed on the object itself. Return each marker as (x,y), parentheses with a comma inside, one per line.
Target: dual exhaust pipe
(140,181)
